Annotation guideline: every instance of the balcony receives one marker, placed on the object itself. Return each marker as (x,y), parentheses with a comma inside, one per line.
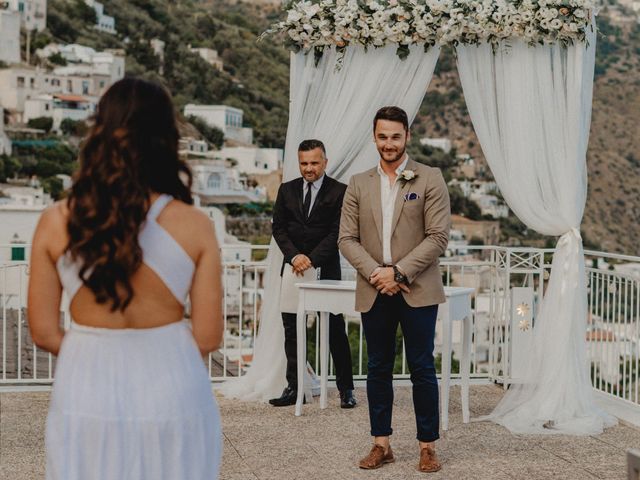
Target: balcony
(330,441)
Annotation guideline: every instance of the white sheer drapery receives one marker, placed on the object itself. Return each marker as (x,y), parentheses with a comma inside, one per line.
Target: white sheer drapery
(531,110)
(337,107)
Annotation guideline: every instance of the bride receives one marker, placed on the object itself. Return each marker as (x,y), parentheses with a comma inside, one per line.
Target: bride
(132,398)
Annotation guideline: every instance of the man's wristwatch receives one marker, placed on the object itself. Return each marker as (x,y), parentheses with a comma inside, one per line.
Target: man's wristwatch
(398,276)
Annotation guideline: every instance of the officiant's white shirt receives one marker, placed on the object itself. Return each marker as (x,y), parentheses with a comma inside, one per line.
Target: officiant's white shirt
(388,194)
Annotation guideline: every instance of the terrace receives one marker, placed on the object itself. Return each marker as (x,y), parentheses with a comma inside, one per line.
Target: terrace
(329,442)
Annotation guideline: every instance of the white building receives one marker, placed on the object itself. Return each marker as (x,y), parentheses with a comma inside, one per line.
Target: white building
(33,13)
(86,61)
(191,146)
(441,143)
(228,119)
(20,210)
(253,160)
(214,182)
(210,56)
(22,82)
(490,205)
(9,36)
(60,106)
(5,141)
(104,23)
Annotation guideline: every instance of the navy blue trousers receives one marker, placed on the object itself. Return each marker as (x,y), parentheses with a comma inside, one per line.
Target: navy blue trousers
(418,328)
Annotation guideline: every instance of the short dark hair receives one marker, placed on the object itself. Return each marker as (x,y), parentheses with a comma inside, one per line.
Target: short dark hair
(311,144)
(393,113)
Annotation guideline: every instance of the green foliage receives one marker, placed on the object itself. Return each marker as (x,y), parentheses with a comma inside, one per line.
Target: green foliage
(45,161)
(213,135)
(41,123)
(53,186)
(610,45)
(9,167)
(76,128)
(476,241)
(460,205)
(251,209)
(57,59)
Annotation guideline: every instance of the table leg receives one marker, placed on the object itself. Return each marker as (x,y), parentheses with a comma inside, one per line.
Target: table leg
(324,357)
(465,366)
(446,365)
(301,342)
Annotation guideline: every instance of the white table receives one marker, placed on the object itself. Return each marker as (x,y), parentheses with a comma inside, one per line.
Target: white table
(336,296)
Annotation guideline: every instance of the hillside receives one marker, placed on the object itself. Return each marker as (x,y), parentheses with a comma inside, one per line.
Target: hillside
(255,79)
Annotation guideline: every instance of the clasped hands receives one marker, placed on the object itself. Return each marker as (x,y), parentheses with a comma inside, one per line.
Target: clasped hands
(383,278)
(300,263)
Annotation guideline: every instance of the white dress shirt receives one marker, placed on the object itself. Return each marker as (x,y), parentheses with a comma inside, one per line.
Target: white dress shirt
(388,194)
(315,188)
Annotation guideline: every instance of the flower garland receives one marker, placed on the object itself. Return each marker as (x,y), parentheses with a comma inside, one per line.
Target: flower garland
(319,24)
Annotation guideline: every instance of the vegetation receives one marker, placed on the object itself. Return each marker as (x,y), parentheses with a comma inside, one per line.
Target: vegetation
(77,128)
(41,123)
(213,135)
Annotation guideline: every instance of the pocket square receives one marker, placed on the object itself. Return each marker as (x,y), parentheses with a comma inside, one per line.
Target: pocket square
(411,196)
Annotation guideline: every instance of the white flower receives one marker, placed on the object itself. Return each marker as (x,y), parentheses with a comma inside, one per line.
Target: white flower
(407,175)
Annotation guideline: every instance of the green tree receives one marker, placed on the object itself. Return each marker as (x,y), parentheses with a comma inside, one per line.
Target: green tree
(463,206)
(57,59)
(41,123)
(77,128)
(53,186)
(213,135)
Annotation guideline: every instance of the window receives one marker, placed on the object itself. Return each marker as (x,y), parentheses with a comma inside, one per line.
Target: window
(20,82)
(17,254)
(85,87)
(69,86)
(32,82)
(214,181)
(46,107)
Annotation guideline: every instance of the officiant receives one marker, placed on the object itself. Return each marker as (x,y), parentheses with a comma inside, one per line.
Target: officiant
(306,221)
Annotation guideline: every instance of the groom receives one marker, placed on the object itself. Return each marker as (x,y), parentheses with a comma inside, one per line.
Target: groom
(395,224)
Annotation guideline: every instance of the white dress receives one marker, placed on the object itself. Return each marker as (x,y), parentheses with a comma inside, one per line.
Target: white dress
(134,404)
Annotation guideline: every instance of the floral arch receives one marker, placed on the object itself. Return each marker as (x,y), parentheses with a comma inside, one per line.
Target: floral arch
(526,68)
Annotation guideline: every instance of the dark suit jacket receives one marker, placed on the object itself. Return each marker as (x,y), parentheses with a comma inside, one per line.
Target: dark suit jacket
(316,237)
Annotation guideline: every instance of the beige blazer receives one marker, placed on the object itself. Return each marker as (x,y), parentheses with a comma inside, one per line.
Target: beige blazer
(420,233)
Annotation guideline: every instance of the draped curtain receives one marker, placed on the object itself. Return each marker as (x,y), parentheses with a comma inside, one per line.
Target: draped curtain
(531,110)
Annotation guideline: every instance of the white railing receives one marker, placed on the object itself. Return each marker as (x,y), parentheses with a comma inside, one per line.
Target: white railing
(494,272)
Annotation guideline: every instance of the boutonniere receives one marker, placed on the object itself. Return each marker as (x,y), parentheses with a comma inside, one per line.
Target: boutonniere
(408,175)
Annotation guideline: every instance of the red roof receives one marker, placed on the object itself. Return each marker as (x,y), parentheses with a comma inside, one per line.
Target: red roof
(70,98)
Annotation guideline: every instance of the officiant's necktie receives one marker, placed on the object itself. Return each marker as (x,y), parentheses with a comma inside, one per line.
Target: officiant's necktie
(307,201)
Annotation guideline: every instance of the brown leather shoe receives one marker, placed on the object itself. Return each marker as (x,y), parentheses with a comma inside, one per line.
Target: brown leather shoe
(429,461)
(376,458)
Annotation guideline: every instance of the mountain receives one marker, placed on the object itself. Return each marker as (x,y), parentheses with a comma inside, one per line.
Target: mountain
(255,78)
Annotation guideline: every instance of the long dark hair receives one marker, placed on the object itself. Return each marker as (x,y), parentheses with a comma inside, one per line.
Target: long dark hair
(130,151)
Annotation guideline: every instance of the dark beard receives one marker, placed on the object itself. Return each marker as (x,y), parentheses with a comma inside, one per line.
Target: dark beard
(398,157)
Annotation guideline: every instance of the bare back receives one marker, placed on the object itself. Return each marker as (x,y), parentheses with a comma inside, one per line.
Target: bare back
(153,303)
